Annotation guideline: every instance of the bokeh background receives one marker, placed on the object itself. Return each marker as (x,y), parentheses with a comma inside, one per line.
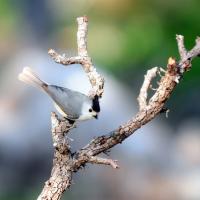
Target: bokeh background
(161,160)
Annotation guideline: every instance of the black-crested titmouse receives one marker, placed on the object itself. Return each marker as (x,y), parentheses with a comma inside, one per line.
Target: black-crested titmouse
(71,104)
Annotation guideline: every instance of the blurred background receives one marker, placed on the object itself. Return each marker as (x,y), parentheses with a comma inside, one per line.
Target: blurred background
(126,38)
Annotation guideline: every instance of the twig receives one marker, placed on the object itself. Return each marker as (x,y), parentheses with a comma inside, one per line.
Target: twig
(142,98)
(186,57)
(65,162)
(181,46)
(95,78)
(104,161)
(61,174)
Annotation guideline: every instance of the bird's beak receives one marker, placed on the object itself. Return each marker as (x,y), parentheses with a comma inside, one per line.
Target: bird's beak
(95,116)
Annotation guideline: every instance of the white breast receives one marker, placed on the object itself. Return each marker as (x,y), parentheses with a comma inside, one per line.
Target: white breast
(85,117)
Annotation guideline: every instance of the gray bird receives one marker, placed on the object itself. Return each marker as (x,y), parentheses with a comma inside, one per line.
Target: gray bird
(71,104)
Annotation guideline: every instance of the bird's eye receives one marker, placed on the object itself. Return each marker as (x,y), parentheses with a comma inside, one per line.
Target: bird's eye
(90,110)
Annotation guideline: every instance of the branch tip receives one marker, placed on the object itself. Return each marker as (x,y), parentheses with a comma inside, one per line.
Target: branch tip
(197,40)
(105,161)
(142,98)
(81,20)
(181,47)
(179,37)
(51,51)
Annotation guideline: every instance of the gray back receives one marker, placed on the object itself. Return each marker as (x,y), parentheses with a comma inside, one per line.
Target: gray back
(68,100)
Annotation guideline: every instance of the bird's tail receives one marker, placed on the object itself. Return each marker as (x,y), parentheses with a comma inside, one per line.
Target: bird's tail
(29,77)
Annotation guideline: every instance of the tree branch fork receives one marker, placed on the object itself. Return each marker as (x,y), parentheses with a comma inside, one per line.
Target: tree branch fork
(65,162)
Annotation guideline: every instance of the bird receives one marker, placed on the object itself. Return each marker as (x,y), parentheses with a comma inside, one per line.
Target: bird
(72,105)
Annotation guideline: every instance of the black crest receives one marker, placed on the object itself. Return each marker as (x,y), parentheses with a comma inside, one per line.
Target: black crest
(95,104)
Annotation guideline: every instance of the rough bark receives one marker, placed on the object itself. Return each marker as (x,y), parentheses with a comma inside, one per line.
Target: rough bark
(65,162)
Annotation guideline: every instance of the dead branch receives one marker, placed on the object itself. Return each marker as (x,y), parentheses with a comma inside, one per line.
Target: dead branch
(65,162)
(105,161)
(96,79)
(61,174)
(142,98)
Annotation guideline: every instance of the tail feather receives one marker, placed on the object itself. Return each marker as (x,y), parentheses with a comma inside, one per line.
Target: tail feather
(29,77)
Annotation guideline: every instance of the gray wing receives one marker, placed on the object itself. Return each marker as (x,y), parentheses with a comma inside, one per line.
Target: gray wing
(68,100)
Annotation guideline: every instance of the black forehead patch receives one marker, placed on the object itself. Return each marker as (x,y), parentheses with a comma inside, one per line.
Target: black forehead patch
(95,104)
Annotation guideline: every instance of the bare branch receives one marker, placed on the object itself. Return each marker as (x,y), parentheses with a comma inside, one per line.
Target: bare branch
(61,174)
(95,78)
(65,162)
(194,51)
(142,98)
(105,161)
(156,104)
(82,36)
(186,57)
(181,46)
(62,59)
